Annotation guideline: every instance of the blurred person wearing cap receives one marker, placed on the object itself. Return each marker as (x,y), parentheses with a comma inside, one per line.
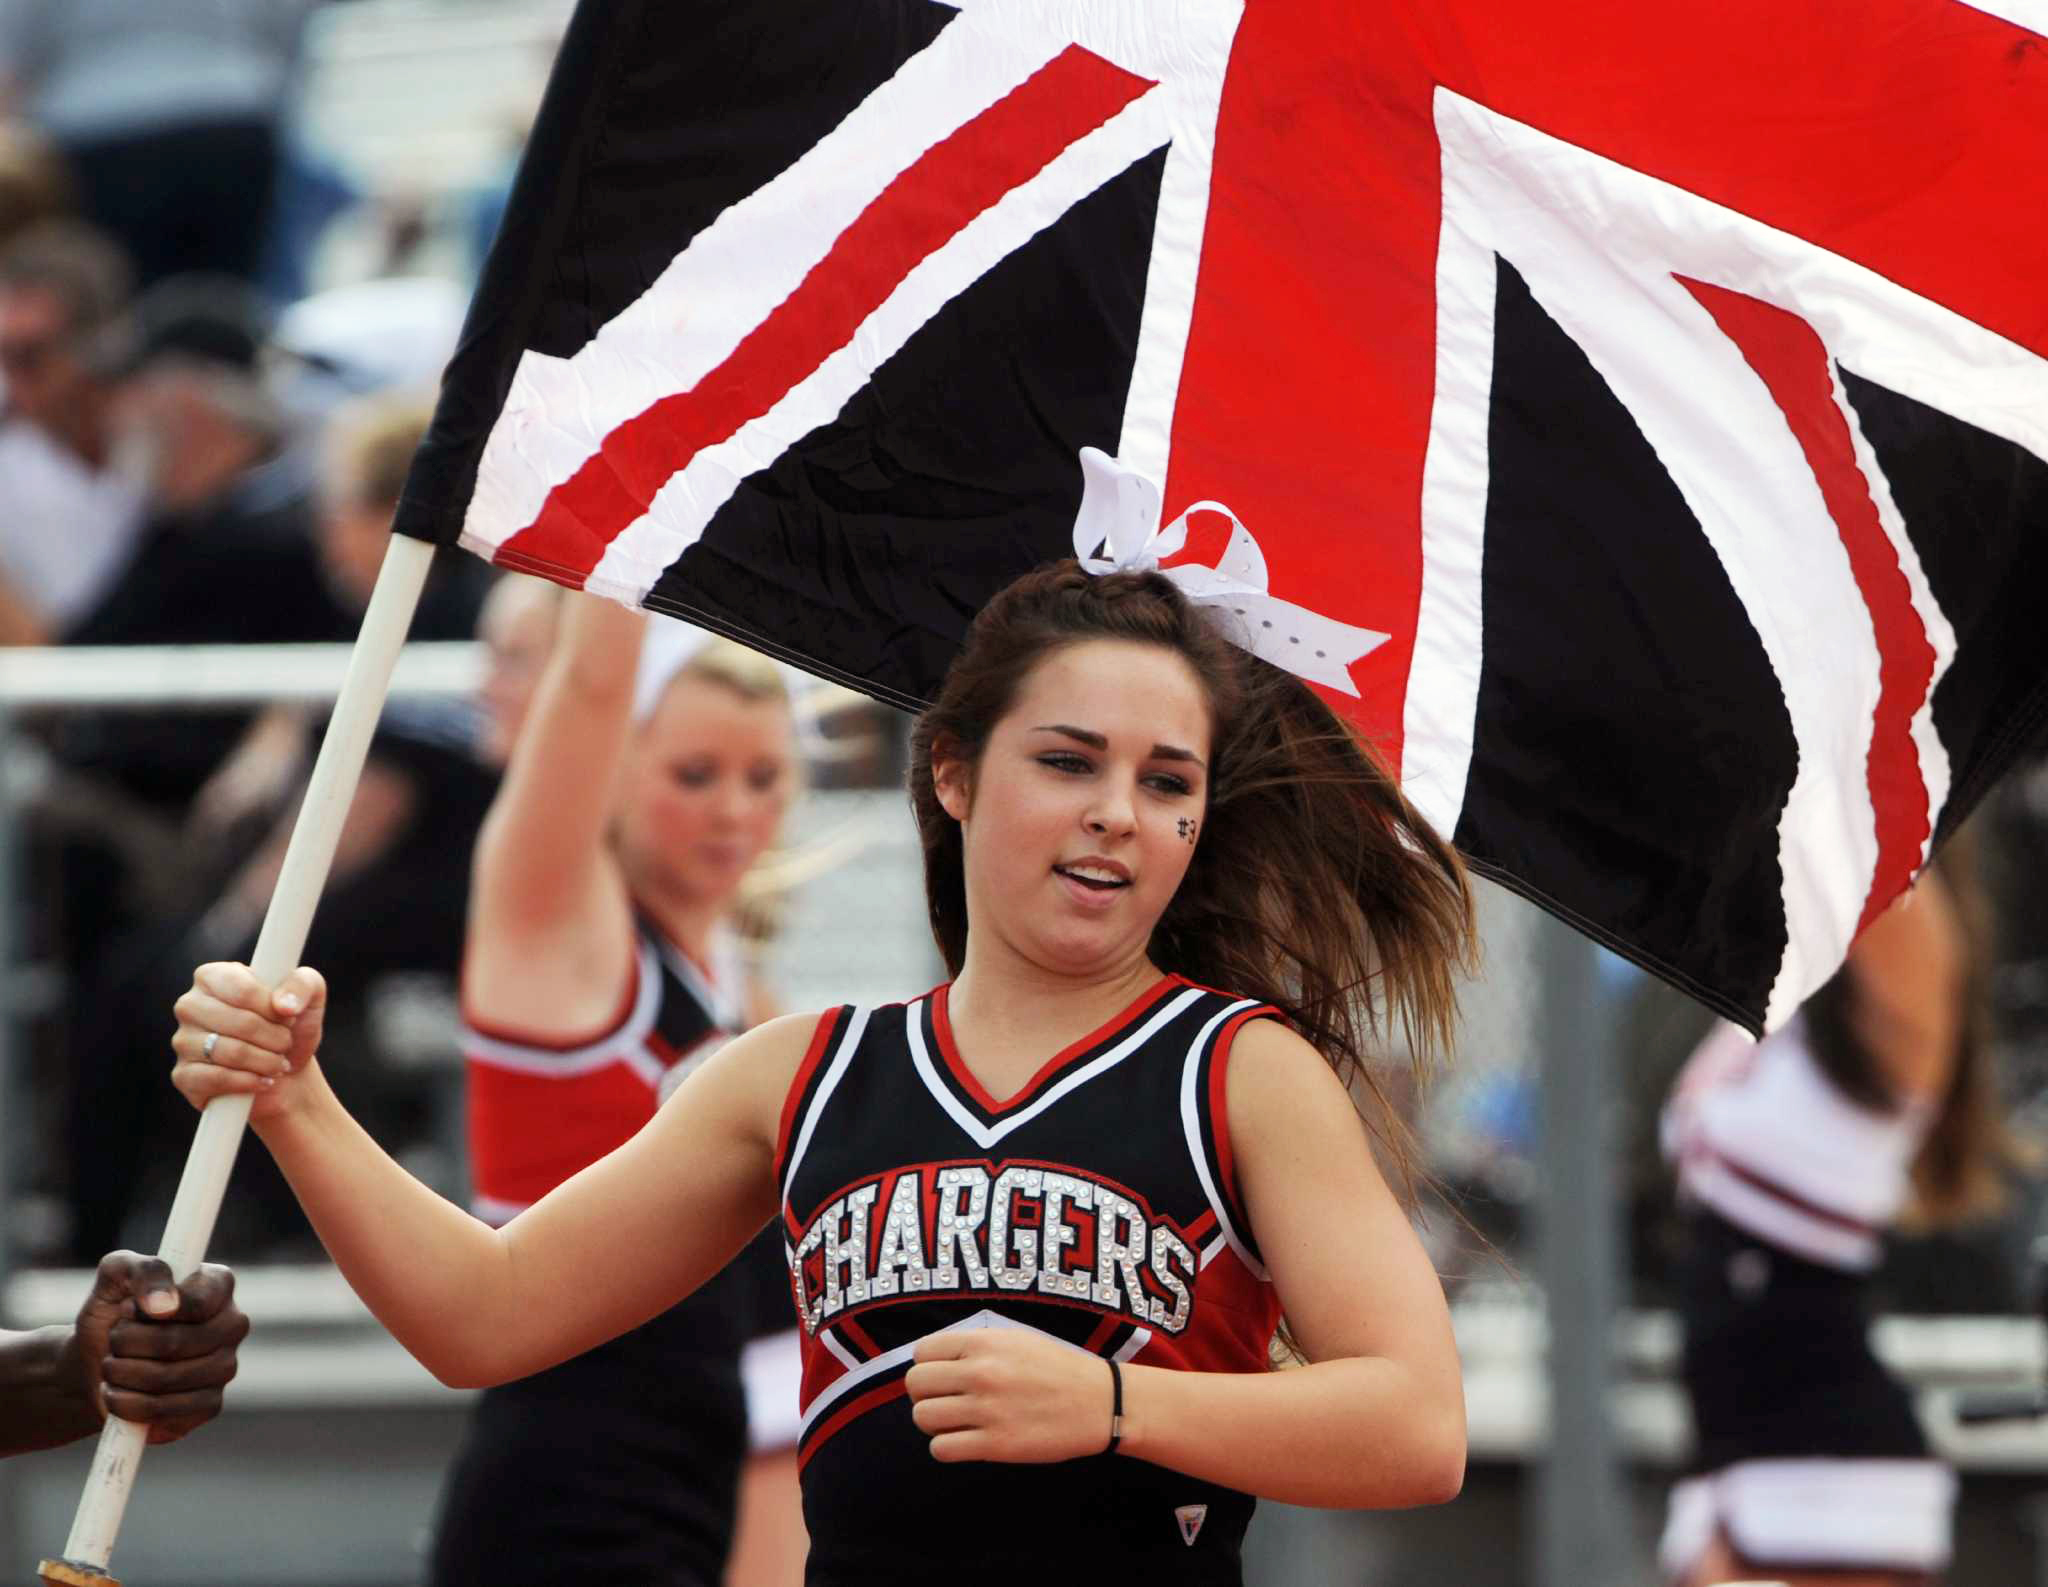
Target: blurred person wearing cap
(71,514)
(362,457)
(227,553)
(169,114)
(142,1348)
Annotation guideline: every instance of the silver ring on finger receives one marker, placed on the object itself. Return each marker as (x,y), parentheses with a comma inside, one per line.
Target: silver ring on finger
(206,1047)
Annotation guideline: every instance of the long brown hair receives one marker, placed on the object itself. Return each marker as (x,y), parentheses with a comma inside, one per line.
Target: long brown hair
(1959,1172)
(1316,886)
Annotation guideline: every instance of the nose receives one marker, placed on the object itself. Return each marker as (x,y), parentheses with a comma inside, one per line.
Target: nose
(1112,813)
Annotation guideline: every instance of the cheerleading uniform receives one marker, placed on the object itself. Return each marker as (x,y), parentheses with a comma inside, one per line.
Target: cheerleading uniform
(1097,1207)
(1809,1456)
(621,1464)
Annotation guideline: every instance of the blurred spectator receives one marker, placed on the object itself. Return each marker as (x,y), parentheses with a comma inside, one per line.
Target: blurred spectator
(33,185)
(398,891)
(368,452)
(392,334)
(71,513)
(227,554)
(364,456)
(168,113)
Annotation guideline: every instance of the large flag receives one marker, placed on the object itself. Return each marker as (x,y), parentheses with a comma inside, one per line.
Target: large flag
(1668,385)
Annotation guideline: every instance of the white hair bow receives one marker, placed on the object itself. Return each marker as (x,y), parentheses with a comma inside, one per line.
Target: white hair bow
(1118,531)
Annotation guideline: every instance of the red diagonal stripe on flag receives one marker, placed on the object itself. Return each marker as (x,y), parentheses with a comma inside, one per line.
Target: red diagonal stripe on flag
(1306,394)
(1789,357)
(949,185)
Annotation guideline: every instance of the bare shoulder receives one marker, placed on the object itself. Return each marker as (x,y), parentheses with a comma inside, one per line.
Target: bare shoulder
(1277,1079)
(754,1071)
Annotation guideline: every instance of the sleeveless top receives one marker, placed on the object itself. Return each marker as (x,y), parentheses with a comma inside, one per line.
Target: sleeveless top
(1098,1206)
(540,1110)
(1762,1138)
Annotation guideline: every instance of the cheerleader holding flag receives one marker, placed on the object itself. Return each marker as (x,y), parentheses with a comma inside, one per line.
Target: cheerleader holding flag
(1671,395)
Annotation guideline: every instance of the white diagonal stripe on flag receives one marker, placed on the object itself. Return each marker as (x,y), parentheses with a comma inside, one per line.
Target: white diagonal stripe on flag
(1538,201)
(683,507)
(733,275)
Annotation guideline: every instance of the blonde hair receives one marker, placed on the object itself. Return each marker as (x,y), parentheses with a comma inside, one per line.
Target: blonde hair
(731,665)
(369,448)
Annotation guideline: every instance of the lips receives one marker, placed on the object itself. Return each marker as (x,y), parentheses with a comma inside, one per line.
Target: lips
(1096,879)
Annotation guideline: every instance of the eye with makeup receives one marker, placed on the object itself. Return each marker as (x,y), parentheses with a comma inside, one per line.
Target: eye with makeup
(1168,783)
(694,773)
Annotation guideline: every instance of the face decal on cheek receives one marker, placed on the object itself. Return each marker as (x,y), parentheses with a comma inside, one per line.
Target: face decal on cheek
(1188,829)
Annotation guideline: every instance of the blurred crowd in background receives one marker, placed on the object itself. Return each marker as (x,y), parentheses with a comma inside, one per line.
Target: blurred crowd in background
(236,241)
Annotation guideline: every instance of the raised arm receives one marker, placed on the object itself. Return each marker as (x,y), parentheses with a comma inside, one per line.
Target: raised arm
(1377,1417)
(625,1239)
(1908,969)
(550,926)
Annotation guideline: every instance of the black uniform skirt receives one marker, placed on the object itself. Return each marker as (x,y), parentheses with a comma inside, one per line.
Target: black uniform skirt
(1777,1356)
(621,1465)
(1808,1451)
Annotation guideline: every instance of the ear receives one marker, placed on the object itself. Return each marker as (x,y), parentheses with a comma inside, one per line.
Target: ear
(952,784)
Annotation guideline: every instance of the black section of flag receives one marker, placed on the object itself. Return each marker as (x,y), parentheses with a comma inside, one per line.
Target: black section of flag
(1976,509)
(1629,725)
(615,182)
(948,474)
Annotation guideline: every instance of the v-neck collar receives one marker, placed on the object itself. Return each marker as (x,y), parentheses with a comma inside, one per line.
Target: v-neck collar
(960,1079)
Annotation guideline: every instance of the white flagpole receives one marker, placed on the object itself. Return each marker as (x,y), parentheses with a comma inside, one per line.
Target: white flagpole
(283,937)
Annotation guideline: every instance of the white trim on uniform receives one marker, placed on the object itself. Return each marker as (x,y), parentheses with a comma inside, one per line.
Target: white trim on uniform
(722,993)
(839,1387)
(842,1055)
(1140,1337)
(845,1357)
(1191,1122)
(1760,1135)
(986,1135)
(1713,1181)
(625,1043)
(1820,1511)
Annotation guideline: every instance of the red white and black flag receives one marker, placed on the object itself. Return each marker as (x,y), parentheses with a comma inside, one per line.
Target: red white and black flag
(1668,386)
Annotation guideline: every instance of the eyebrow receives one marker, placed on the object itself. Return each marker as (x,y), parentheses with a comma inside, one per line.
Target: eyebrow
(1081,735)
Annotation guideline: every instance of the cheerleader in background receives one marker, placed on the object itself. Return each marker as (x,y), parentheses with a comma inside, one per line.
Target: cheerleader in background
(599,969)
(1794,1155)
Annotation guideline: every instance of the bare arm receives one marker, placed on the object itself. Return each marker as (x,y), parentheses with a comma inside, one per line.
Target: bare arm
(1377,1419)
(626,1238)
(550,937)
(1908,968)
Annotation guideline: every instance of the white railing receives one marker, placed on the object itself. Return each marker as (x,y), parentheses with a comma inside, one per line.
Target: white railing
(183,676)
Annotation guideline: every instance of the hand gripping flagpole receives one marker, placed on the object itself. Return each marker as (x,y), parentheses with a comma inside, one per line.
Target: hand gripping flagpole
(283,937)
